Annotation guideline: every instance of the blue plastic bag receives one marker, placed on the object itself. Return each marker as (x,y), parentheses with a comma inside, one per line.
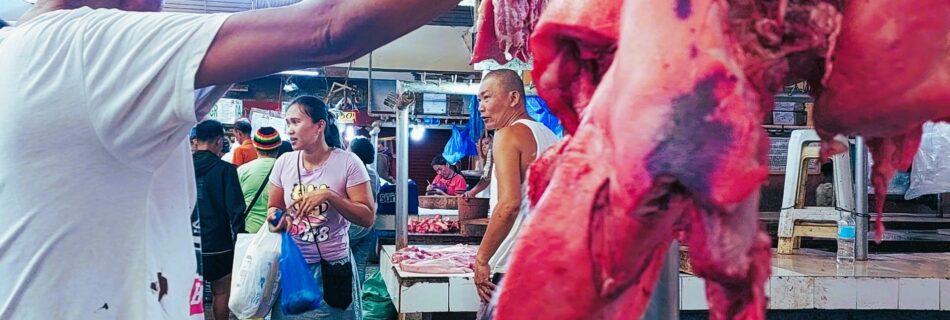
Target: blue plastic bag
(459,146)
(299,293)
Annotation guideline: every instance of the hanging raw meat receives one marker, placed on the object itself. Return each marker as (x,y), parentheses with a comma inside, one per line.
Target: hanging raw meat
(573,45)
(503,29)
(889,74)
(669,145)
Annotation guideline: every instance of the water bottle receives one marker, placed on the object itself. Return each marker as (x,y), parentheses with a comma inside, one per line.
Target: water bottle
(846,238)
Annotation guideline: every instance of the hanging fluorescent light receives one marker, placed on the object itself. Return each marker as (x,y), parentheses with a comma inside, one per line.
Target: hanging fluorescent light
(305,73)
(467,3)
(418,132)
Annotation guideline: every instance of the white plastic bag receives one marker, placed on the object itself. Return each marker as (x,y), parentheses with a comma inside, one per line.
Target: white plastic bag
(256,278)
(931,169)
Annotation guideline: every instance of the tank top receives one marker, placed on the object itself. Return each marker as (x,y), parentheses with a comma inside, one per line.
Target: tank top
(544,138)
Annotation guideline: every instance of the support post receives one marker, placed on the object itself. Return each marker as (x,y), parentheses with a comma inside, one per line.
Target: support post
(665,302)
(861,199)
(402,175)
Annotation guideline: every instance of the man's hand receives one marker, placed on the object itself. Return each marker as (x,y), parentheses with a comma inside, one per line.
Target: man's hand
(483,284)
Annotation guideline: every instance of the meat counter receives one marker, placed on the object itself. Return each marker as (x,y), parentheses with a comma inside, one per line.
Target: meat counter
(423,293)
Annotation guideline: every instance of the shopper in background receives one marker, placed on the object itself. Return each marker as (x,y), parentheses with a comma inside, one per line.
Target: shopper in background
(245,151)
(126,83)
(481,190)
(285,147)
(383,159)
(363,240)
(447,180)
(254,176)
(219,212)
(322,189)
(519,140)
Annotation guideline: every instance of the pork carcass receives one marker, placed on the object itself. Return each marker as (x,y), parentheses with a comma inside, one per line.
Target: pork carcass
(669,144)
(504,28)
(573,40)
(889,73)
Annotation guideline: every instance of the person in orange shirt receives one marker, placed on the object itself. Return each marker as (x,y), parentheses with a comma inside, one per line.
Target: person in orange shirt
(245,152)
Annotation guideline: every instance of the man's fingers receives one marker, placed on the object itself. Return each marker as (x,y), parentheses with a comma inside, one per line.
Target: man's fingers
(484,294)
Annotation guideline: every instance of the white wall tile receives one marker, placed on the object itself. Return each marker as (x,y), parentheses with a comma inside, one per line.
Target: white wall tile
(919,294)
(792,293)
(693,293)
(424,297)
(877,293)
(836,293)
(462,296)
(945,294)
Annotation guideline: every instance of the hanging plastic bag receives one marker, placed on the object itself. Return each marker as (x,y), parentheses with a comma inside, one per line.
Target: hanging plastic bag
(255,283)
(459,146)
(377,305)
(930,173)
(299,292)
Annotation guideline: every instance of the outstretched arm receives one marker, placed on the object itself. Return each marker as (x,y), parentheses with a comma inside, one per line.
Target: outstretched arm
(312,33)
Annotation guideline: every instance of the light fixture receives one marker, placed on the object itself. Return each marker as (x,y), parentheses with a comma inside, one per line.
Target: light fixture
(291,87)
(350,133)
(418,132)
(305,73)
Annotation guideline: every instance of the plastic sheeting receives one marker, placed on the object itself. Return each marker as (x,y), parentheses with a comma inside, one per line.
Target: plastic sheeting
(539,111)
(930,173)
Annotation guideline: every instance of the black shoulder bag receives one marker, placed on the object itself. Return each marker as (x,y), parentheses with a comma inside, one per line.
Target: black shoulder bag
(259,191)
(337,278)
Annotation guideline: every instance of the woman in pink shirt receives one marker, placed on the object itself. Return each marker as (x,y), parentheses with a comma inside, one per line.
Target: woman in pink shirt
(447,180)
(323,189)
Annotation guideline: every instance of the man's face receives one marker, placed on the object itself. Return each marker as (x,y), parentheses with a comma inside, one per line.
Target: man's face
(493,102)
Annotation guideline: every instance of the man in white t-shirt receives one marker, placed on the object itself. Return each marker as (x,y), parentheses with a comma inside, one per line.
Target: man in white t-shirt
(99,229)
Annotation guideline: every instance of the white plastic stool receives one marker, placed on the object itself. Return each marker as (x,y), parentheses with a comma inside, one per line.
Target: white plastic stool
(796,220)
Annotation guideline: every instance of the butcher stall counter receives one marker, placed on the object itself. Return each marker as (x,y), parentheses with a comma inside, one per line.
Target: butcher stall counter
(426,293)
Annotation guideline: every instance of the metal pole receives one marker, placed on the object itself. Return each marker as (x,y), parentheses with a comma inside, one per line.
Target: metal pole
(374,133)
(402,176)
(665,303)
(861,199)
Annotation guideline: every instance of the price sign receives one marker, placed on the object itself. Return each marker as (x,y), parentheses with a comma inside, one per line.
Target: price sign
(347,117)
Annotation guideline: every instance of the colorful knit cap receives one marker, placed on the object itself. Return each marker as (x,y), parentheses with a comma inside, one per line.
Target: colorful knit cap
(266,139)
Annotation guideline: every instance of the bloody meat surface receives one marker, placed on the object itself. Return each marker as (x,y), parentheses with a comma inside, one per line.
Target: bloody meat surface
(664,101)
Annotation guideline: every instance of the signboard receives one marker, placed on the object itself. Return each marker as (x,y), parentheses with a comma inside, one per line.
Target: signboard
(227,110)
(778,157)
(434,103)
(778,154)
(347,117)
(268,118)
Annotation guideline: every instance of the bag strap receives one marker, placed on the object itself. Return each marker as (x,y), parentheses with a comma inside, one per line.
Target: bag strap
(259,191)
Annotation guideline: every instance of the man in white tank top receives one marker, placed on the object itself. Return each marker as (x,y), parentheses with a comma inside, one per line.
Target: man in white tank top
(519,140)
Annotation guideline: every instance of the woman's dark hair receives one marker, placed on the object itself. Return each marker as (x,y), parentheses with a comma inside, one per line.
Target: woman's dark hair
(317,110)
(364,149)
(439,160)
